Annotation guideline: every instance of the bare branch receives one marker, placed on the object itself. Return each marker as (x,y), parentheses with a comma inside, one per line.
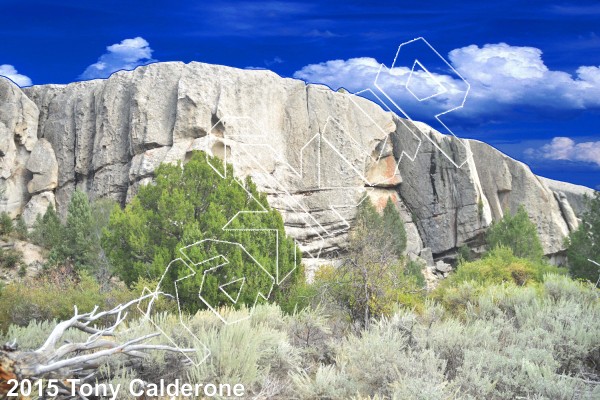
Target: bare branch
(80,360)
(81,321)
(123,348)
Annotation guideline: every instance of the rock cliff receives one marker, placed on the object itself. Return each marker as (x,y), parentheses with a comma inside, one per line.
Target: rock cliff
(316,153)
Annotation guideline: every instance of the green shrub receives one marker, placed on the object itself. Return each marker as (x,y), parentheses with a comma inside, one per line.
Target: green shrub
(48,231)
(538,341)
(372,276)
(190,203)
(411,297)
(79,240)
(583,244)
(10,258)
(326,383)
(518,233)
(497,267)
(298,295)
(33,334)
(399,285)
(501,265)
(53,295)
(21,229)
(393,226)
(414,269)
(464,254)
(255,352)
(6,224)
(561,287)
(311,331)
(524,341)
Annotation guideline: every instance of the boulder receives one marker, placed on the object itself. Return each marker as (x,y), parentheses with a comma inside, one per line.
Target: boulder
(18,136)
(42,163)
(508,184)
(384,173)
(443,267)
(427,256)
(575,194)
(567,211)
(37,205)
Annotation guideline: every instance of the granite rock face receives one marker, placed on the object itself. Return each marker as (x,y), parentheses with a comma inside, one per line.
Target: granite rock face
(315,152)
(18,136)
(42,163)
(574,194)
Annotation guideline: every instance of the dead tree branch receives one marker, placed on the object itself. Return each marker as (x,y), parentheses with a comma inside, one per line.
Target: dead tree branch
(78,360)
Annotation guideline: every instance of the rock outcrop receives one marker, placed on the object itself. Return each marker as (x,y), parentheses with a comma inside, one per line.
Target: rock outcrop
(18,136)
(38,204)
(315,152)
(42,163)
(574,194)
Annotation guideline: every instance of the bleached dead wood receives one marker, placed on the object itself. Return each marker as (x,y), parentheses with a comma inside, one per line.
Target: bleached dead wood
(62,361)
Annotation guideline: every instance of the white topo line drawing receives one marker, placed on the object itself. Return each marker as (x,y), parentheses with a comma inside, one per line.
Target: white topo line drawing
(598,265)
(391,103)
(255,138)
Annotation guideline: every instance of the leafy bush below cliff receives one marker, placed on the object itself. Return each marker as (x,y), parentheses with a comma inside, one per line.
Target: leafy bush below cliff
(53,294)
(583,244)
(194,213)
(518,233)
(499,266)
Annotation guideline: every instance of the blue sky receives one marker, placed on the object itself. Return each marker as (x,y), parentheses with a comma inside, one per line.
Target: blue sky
(533,66)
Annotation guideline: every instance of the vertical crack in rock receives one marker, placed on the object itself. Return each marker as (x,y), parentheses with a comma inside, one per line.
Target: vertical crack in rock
(73,128)
(432,171)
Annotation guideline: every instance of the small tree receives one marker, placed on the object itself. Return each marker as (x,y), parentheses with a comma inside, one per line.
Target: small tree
(47,229)
(518,233)
(394,227)
(21,228)
(6,224)
(583,244)
(79,239)
(101,210)
(369,280)
(192,204)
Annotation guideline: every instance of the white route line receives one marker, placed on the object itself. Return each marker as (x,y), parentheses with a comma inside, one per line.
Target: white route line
(243,279)
(148,318)
(288,198)
(403,153)
(433,78)
(437,116)
(235,279)
(276,185)
(598,265)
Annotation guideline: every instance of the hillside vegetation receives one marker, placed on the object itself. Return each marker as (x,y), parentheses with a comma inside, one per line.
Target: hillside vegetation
(506,326)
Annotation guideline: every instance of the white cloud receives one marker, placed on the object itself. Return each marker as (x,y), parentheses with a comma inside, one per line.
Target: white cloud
(357,74)
(575,10)
(127,55)
(322,34)
(509,75)
(353,74)
(502,78)
(564,148)
(11,73)
(275,60)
